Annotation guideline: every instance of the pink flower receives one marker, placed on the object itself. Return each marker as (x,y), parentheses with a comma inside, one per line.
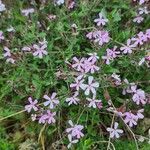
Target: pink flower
(78,83)
(139,114)
(40,49)
(93,102)
(28,11)
(73,99)
(115,132)
(91,86)
(130,119)
(138,19)
(71,5)
(139,97)
(51,101)
(78,65)
(128,48)
(75,130)
(71,141)
(32,105)
(90,67)
(93,57)
(50,117)
(101,20)
(26,48)
(1,36)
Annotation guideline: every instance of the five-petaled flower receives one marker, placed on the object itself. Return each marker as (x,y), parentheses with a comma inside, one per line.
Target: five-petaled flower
(32,105)
(40,49)
(75,130)
(93,102)
(90,87)
(51,101)
(73,100)
(101,20)
(115,132)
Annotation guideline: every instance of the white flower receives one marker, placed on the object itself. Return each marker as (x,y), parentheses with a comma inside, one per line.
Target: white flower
(71,141)
(2,7)
(114,132)
(90,86)
(59,2)
(28,11)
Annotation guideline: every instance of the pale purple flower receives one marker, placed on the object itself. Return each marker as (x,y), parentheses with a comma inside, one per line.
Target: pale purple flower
(7,52)
(28,11)
(73,100)
(2,7)
(78,64)
(115,132)
(71,141)
(143,10)
(40,49)
(130,119)
(148,33)
(101,37)
(141,2)
(140,39)
(26,48)
(138,19)
(50,117)
(107,57)
(93,57)
(113,52)
(93,102)
(78,82)
(1,36)
(99,105)
(117,78)
(43,118)
(10,60)
(51,101)
(32,105)
(90,66)
(128,48)
(101,20)
(90,87)
(139,114)
(132,88)
(75,130)
(90,35)
(139,97)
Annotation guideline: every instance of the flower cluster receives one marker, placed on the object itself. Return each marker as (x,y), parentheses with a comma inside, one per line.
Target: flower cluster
(141,12)
(99,36)
(74,133)
(7,54)
(38,50)
(45,114)
(131,45)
